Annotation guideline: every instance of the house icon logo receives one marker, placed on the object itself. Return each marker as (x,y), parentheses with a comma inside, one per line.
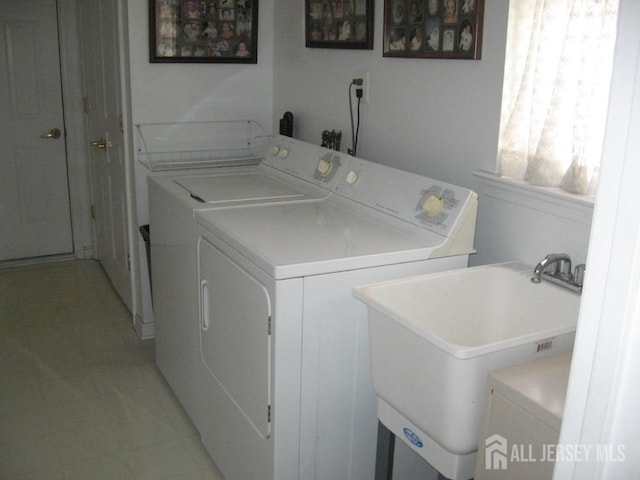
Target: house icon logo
(495,453)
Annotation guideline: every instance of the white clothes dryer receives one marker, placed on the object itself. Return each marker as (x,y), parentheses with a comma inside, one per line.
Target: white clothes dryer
(283,345)
(291,171)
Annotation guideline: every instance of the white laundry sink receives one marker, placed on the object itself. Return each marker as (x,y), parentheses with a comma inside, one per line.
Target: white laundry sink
(435,337)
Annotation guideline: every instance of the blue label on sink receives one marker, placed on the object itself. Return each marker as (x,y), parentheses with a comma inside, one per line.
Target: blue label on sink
(413,438)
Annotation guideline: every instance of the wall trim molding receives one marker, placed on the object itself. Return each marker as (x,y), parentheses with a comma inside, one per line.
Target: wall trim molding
(551,201)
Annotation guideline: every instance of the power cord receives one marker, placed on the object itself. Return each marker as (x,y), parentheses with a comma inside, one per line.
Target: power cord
(354,133)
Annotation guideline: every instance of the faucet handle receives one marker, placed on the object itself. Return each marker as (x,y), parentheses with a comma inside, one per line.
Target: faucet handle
(578,274)
(564,267)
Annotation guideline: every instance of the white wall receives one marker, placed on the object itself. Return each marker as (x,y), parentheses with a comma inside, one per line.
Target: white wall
(183,92)
(516,221)
(438,118)
(435,117)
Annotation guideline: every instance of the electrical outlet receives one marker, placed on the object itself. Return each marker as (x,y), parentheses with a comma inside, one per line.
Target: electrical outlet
(364,75)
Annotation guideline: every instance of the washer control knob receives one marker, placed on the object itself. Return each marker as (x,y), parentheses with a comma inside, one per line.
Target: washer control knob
(352,177)
(273,151)
(324,167)
(284,153)
(433,205)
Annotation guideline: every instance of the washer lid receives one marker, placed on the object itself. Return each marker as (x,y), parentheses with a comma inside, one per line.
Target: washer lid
(246,186)
(311,238)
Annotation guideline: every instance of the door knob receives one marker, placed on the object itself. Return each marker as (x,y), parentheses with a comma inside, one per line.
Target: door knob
(101,144)
(53,133)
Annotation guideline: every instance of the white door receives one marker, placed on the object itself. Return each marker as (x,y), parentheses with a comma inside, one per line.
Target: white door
(103,106)
(35,216)
(235,336)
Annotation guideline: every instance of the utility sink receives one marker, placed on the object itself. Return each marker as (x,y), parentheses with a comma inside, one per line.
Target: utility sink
(434,338)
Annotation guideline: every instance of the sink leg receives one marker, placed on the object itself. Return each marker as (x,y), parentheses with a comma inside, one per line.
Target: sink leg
(385,449)
(384,454)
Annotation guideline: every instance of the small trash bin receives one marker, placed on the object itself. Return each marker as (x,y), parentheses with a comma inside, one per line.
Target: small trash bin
(144,231)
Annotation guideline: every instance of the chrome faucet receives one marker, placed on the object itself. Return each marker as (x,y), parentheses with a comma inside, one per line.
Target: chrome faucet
(558,261)
(556,267)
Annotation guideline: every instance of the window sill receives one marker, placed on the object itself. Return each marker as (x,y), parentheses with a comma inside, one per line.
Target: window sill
(554,201)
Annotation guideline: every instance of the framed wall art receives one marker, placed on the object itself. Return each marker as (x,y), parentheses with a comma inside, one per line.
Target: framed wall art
(196,31)
(433,28)
(339,24)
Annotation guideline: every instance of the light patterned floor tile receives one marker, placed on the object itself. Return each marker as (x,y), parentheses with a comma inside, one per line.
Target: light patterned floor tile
(80,395)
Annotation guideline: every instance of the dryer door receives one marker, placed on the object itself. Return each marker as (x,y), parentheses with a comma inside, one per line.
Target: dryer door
(235,337)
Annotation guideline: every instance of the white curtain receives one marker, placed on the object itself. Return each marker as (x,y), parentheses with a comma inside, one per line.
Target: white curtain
(557,72)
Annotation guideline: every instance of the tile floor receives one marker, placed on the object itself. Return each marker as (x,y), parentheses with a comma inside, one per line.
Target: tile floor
(80,396)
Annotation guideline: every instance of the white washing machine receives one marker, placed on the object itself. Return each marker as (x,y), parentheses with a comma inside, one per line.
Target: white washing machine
(284,375)
(292,171)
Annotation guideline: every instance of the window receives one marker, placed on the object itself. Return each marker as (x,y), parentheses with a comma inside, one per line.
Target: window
(556,87)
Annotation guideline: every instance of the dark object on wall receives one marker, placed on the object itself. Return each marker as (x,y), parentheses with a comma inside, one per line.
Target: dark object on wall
(146,236)
(339,24)
(433,29)
(286,124)
(331,139)
(197,31)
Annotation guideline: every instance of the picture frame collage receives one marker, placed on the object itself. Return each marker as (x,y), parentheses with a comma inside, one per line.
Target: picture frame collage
(226,31)
(198,31)
(433,28)
(339,24)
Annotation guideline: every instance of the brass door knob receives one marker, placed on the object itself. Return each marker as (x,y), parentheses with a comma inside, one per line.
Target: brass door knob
(53,133)
(100,144)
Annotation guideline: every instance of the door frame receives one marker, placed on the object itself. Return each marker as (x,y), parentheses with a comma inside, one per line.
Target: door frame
(77,161)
